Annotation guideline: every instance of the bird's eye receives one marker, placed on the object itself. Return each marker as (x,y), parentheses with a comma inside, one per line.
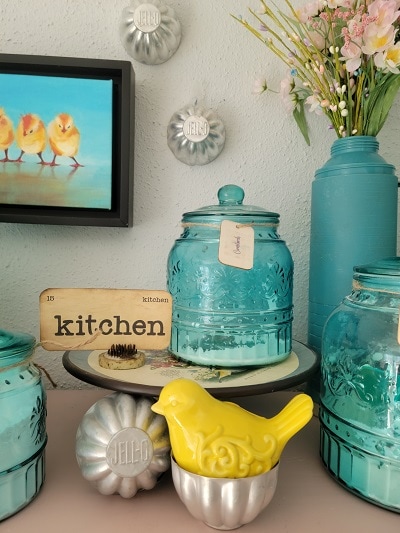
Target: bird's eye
(69,125)
(30,131)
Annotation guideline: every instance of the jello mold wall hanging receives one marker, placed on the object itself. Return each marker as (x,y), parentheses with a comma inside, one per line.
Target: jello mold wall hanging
(150,31)
(195,135)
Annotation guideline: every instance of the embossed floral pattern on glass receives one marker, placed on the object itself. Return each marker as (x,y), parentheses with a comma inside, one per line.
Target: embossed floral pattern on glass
(360,386)
(22,424)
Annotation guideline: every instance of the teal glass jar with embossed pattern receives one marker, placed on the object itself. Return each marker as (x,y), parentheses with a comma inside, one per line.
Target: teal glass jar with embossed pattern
(22,423)
(223,314)
(360,386)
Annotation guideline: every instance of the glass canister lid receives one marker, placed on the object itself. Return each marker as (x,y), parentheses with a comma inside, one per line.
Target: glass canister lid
(14,346)
(382,273)
(389,266)
(230,199)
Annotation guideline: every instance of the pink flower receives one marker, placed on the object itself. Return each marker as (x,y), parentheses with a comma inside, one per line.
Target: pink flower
(310,10)
(385,12)
(351,51)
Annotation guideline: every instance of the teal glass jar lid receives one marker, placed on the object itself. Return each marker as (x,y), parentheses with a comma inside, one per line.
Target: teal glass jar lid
(385,267)
(230,198)
(14,347)
(384,273)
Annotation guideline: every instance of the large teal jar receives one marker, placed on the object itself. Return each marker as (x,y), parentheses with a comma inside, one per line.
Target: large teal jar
(360,386)
(225,315)
(354,205)
(22,424)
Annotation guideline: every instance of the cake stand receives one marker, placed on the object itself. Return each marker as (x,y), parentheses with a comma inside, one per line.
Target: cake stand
(161,367)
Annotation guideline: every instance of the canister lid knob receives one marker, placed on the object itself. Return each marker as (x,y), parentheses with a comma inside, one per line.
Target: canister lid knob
(230,195)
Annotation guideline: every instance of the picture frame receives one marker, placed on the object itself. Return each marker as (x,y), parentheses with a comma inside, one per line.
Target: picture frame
(66,140)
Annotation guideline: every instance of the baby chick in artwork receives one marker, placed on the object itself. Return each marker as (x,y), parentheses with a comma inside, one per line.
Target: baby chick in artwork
(31,136)
(214,438)
(6,134)
(64,138)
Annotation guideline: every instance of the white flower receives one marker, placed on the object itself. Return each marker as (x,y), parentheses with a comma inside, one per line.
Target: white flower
(261,9)
(333,4)
(317,39)
(376,39)
(287,95)
(389,60)
(315,105)
(260,86)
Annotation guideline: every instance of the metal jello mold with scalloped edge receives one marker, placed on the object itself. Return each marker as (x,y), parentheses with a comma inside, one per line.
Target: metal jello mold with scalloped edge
(122,446)
(224,503)
(196,135)
(150,31)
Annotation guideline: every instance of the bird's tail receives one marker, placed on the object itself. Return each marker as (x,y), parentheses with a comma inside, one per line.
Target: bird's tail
(293,417)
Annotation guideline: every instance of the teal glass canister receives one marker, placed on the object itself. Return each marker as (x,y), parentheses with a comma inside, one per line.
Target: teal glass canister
(360,386)
(22,423)
(223,314)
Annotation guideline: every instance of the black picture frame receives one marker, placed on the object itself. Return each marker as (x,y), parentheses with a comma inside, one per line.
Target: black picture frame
(121,74)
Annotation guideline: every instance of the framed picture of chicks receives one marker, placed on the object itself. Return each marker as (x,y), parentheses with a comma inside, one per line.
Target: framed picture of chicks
(66,140)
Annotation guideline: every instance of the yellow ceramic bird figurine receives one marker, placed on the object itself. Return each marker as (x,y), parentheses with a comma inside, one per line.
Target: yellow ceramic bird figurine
(31,136)
(6,134)
(64,138)
(214,438)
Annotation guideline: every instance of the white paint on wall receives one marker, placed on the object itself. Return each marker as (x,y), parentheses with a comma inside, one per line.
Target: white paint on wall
(264,153)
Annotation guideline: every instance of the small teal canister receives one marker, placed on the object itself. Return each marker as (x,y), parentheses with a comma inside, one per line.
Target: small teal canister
(360,386)
(22,423)
(233,311)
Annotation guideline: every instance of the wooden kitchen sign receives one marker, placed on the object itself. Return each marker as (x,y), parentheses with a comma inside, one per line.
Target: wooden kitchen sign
(83,319)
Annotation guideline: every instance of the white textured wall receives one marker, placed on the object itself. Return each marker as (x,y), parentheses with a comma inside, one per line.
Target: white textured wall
(264,153)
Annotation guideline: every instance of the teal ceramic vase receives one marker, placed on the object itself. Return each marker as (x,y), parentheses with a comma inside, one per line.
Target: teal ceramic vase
(353,222)
(360,386)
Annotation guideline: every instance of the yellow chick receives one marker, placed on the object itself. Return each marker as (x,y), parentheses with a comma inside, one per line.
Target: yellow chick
(64,138)
(31,136)
(6,134)
(221,439)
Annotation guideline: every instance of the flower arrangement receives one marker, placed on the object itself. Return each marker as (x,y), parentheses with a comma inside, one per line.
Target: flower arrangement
(343,58)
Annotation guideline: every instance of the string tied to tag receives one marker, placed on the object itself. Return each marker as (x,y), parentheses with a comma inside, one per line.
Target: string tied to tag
(30,361)
(238,224)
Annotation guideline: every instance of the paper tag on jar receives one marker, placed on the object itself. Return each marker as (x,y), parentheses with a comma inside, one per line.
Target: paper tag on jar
(236,245)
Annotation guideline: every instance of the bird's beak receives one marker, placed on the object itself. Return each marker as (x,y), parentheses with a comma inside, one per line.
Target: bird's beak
(157,408)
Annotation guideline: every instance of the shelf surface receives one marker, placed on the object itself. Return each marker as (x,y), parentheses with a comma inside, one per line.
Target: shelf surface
(307,499)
